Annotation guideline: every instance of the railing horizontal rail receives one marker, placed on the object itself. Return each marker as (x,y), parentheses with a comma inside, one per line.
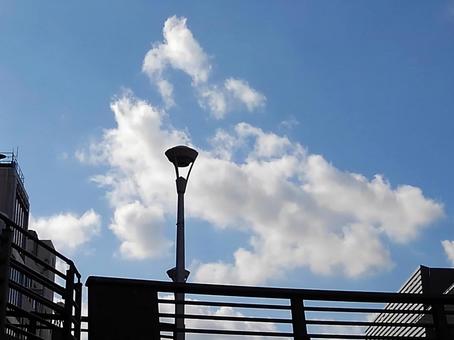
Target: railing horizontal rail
(367,323)
(228,304)
(30,288)
(224,318)
(18,312)
(28,292)
(37,277)
(362,337)
(232,332)
(37,260)
(9,223)
(19,330)
(364,310)
(278,293)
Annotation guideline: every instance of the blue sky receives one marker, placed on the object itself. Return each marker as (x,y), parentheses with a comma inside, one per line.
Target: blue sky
(325,131)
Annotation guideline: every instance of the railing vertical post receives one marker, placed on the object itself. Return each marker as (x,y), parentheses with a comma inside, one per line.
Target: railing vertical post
(68,309)
(78,311)
(440,323)
(32,326)
(6,238)
(298,319)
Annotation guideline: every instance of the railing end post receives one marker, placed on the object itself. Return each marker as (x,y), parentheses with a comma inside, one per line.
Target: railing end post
(440,322)
(298,319)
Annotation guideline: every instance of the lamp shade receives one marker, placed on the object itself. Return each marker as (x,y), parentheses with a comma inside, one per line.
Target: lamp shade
(181,156)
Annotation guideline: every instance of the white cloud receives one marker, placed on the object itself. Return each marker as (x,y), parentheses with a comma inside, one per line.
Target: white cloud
(181,51)
(299,209)
(67,231)
(140,183)
(213,99)
(241,90)
(145,239)
(448,246)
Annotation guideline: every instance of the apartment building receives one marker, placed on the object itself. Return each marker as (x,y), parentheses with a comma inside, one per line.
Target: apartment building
(15,204)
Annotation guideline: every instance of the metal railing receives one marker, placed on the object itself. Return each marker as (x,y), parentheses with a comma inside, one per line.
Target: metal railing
(37,300)
(10,158)
(229,312)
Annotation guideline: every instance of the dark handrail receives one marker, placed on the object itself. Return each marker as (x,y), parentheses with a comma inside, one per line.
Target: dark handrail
(38,260)
(406,322)
(15,226)
(37,297)
(37,277)
(276,293)
(62,317)
(16,311)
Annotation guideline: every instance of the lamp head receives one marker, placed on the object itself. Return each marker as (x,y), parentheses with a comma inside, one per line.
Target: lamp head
(2,156)
(181,156)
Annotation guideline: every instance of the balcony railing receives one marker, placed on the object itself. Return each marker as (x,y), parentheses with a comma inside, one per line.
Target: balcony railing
(139,309)
(11,159)
(37,299)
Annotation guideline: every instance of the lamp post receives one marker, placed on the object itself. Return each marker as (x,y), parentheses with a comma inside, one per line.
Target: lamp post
(181,157)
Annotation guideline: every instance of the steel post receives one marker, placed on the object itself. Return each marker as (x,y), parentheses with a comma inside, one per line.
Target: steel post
(180,260)
(68,309)
(440,322)
(298,319)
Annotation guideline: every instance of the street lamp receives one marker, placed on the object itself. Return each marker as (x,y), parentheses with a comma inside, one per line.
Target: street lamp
(181,157)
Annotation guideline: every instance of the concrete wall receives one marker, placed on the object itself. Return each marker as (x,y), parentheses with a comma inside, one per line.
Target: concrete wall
(8,186)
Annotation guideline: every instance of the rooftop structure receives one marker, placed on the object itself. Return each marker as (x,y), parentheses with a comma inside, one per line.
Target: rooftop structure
(425,281)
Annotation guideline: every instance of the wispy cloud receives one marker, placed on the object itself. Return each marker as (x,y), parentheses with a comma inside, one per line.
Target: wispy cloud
(181,51)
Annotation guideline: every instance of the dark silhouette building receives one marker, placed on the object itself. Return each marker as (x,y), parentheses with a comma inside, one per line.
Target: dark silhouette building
(425,280)
(14,203)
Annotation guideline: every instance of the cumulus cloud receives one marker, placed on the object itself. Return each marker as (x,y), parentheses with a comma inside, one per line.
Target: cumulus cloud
(139,183)
(299,210)
(145,239)
(181,51)
(67,231)
(448,246)
(296,208)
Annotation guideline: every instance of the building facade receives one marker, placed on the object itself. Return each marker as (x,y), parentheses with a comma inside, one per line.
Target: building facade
(14,203)
(424,280)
